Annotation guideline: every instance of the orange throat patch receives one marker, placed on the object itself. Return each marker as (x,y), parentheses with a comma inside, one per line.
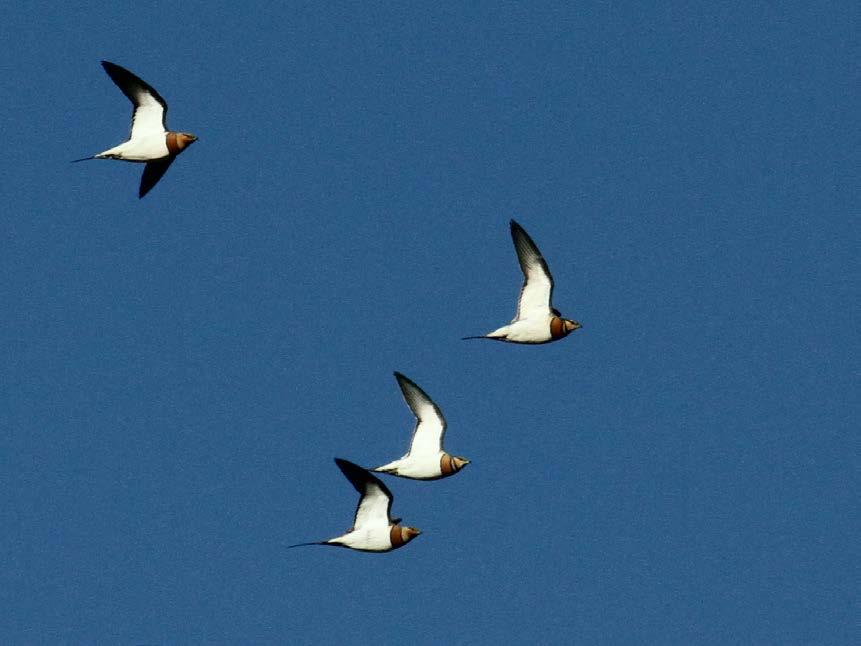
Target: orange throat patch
(557,328)
(446,465)
(395,536)
(177,142)
(172,144)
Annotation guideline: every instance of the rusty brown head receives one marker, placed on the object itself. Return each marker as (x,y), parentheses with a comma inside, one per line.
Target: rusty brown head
(560,327)
(449,464)
(400,535)
(179,141)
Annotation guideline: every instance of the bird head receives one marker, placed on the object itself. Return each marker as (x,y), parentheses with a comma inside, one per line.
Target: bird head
(179,141)
(449,464)
(185,139)
(560,327)
(409,533)
(458,462)
(570,325)
(400,535)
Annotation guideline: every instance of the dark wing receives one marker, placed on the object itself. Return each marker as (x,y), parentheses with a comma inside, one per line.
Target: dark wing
(150,110)
(430,423)
(375,504)
(152,173)
(537,290)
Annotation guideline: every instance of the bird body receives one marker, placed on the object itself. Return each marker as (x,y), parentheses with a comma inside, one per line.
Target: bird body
(426,459)
(536,320)
(149,141)
(143,149)
(382,538)
(374,529)
(535,330)
(424,467)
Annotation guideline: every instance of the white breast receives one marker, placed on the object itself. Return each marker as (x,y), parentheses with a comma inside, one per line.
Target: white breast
(372,539)
(533,330)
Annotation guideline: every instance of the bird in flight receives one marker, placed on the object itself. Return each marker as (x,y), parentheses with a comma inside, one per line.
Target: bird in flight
(536,320)
(374,529)
(426,459)
(150,142)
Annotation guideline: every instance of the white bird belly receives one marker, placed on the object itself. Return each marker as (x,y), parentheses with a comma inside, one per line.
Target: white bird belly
(369,539)
(535,330)
(416,466)
(421,466)
(142,149)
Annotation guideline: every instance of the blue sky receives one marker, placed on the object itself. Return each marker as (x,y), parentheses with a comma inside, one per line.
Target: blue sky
(180,371)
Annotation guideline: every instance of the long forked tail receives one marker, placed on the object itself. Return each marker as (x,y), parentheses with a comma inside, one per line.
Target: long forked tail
(484,336)
(311,543)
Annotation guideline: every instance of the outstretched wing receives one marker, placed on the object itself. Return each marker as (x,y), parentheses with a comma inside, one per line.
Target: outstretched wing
(375,503)
(150,110)
(153,172)
(537,291)
(430,424)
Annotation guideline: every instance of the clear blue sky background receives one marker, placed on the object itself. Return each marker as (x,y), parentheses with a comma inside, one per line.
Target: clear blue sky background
(179,372)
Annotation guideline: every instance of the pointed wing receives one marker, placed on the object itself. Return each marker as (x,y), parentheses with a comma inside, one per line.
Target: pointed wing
(537,290)
(150,110)
(375,503)
(430,424)
(152,173)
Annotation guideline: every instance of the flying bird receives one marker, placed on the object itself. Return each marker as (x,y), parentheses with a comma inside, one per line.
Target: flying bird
(426,459)
(150,141)
(536,320)
(374,529)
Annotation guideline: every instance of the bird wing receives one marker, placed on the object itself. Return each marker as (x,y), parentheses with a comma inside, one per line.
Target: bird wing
(150,110)
(430,424)
(375,503)
(152,173)
(537,290)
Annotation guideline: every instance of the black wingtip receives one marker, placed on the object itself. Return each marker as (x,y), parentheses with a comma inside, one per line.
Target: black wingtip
(74,161)
(517,230)
(402,379)
(306,544)
(353,472)
(145,187)
(360,477)
(356,470)
(467,338)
